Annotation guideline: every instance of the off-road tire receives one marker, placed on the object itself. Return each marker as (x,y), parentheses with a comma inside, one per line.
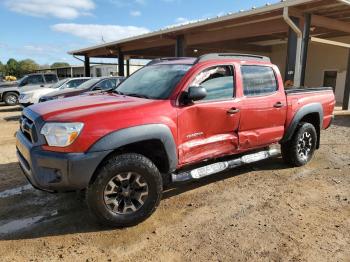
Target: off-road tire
(119,164)
(291,151)
(11,99)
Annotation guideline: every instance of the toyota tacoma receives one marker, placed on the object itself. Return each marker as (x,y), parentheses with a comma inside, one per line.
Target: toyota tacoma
(176,119)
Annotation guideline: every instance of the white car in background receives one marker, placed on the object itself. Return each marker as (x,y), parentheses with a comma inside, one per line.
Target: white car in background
(32,97)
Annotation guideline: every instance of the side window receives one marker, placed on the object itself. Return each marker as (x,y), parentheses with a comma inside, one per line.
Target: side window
(258,80)
(218,81)
(35,80)
(50,78)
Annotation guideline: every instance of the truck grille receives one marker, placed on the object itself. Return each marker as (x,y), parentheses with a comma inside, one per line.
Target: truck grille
(28,129)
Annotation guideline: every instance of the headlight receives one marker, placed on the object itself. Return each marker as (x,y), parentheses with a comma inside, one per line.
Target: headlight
(61,134)
(26,96)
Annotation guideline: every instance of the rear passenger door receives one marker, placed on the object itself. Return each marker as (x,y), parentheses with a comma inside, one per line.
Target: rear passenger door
(263,109)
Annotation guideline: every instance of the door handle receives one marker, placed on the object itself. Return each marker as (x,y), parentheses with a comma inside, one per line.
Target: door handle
(233,111)
(278,105)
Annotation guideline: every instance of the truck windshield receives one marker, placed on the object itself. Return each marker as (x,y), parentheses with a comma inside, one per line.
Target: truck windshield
(59,83)
(90,83)
(22,79)
(153,82)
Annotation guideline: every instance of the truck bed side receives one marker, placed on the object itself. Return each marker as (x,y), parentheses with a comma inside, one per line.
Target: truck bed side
(311,98)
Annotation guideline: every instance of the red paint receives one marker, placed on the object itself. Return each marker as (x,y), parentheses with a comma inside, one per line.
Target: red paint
(202,130)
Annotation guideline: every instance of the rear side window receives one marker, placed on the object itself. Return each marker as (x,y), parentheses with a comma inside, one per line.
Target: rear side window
(218,81)
(258,80)
(50,78)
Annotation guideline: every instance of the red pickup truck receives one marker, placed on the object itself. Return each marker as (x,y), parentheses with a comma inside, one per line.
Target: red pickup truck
(176,119)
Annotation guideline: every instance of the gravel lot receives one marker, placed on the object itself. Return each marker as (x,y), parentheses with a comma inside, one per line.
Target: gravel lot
(264,212)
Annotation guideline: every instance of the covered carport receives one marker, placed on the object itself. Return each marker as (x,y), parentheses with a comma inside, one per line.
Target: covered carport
(296,24)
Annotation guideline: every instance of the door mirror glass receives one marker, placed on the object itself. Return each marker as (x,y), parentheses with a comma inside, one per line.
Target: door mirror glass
(196,93)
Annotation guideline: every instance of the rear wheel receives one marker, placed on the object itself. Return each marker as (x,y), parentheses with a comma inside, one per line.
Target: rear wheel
(301,148)
(126,191)
(11,99)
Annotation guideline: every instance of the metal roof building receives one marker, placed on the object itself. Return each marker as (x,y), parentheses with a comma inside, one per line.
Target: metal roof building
(294,24)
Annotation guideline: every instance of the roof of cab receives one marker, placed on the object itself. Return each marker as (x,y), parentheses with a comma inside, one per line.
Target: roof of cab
(209,57)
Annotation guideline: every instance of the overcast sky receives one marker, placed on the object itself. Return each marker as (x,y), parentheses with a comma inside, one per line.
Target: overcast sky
(44,30)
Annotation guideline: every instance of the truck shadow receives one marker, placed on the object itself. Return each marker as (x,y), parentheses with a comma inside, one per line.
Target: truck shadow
(4,108)
(343,121)
(12,118)
(269,164)
(27,213)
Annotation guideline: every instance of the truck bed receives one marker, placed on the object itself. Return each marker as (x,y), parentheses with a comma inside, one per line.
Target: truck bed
(299,97)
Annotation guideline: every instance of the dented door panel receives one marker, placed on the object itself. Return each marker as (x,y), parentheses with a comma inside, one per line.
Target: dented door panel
(207,131)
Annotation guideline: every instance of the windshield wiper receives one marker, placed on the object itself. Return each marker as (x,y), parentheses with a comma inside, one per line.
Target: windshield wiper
(138,95)
(118,92)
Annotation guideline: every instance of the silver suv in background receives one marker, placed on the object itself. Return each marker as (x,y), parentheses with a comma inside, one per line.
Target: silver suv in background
(9,91)
(32,96)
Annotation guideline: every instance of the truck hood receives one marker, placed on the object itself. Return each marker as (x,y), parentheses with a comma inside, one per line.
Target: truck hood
(8,84)
(79,107)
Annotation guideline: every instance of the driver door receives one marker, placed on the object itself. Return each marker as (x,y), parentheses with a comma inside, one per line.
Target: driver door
(209,128)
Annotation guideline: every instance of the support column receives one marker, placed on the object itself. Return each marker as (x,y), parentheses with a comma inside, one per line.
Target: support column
(291,52)
(87,66)
(305,48)
(127,67)
(120,63)
(346,102)
(180,46)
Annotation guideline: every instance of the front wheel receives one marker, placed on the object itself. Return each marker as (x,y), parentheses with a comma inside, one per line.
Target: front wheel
(126,191)
(11,99)
(301,148)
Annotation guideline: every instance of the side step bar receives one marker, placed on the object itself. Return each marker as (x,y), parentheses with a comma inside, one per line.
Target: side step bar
(221,166)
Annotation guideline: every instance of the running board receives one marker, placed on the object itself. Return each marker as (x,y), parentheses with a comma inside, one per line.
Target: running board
(221,166)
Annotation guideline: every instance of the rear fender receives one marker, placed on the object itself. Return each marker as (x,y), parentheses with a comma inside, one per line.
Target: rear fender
(300,114)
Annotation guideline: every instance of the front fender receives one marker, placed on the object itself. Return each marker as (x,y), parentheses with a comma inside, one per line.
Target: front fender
(136,134)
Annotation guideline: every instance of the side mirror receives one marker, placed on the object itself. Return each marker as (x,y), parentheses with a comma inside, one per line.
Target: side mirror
(196,93)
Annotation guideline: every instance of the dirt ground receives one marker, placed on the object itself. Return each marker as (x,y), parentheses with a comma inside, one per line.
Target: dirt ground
(260,212)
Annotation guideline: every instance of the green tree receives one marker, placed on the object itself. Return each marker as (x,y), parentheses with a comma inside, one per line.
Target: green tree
(12,67)
(59,64)
(27,66)
(2,69)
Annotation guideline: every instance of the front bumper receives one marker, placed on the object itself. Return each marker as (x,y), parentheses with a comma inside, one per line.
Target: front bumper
(25,100)
(330,122)
(53,171)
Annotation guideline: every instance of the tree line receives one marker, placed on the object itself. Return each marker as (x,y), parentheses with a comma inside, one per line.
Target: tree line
(23,67)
